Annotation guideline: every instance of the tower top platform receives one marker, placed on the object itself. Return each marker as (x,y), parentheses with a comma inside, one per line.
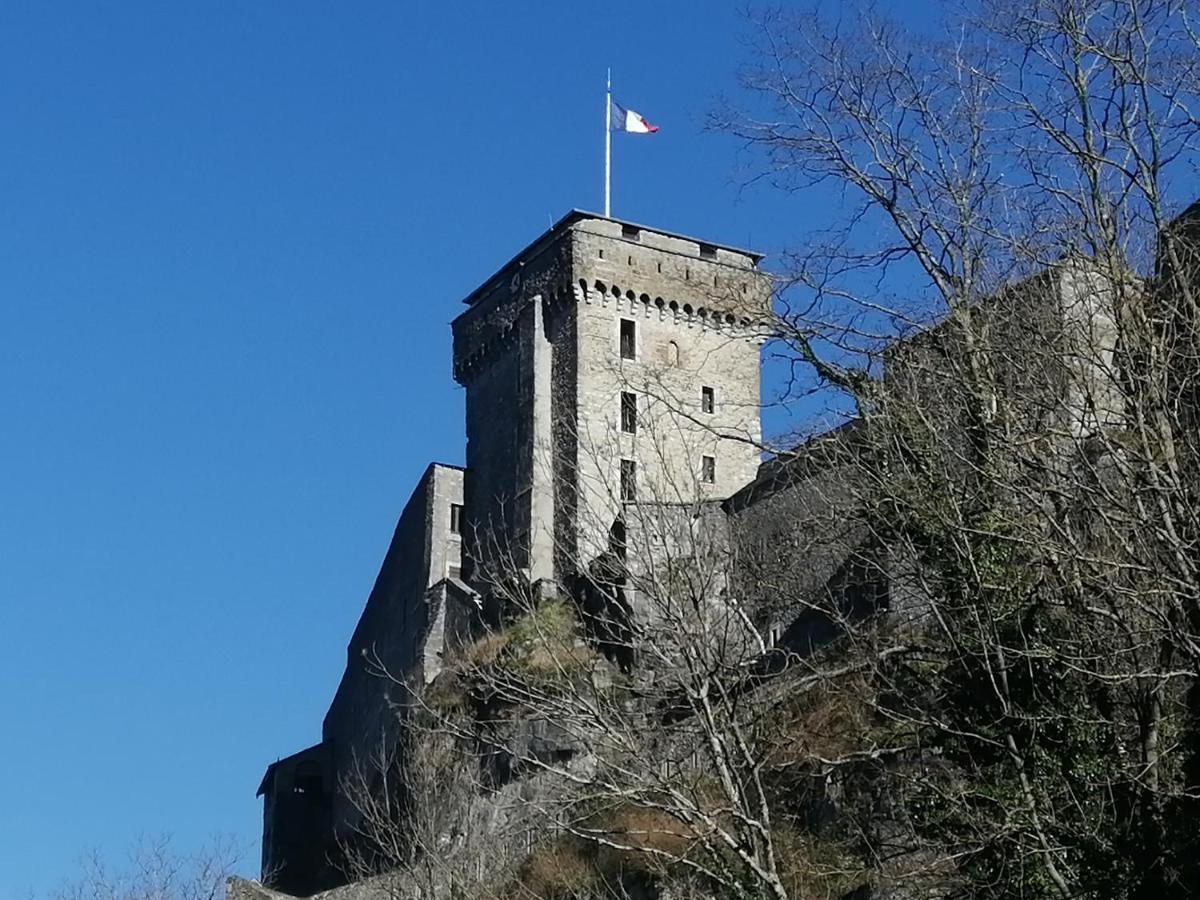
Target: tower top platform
(643,235)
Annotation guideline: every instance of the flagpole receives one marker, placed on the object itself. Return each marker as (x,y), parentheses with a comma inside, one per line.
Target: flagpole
(608,147)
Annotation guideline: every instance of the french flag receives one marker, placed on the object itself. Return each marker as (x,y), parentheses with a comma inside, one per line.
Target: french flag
(627,120)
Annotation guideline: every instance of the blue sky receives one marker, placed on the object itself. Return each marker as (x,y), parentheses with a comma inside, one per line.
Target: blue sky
(232,238)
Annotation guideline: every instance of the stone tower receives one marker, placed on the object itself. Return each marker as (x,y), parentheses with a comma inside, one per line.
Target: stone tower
(607,363)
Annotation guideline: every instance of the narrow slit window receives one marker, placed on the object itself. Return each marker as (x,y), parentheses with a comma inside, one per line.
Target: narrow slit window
(708,469)
(628,480)
(628,412)
(456,518)
(628,339)
(708,400)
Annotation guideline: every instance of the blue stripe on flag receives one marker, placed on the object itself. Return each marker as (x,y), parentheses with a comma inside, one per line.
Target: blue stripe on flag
(617,112)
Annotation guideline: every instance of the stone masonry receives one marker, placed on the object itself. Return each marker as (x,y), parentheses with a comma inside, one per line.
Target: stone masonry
(543,341)
(606,363)
(306,810)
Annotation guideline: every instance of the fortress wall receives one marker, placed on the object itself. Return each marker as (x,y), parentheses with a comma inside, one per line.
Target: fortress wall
(501,358)
(697,323)
(538,351)
(391,632)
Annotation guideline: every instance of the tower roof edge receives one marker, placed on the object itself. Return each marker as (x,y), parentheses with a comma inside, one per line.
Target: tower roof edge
(574,217)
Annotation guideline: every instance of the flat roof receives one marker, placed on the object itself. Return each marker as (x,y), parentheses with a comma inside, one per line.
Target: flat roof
(578,215)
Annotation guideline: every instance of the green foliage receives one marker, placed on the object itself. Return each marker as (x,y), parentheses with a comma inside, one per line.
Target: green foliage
(551,622)
(546,645)
(1033,747)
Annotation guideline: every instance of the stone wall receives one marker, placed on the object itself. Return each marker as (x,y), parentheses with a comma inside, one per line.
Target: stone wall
(496,344)
(795,526)
(297,838)
(539,354)
(387,645)
(698,322)
(303,829)
(1037,357)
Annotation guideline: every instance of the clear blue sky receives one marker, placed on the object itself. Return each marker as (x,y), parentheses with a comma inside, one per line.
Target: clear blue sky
(232,237)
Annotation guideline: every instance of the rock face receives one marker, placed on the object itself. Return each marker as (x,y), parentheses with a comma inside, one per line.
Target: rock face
(386,888)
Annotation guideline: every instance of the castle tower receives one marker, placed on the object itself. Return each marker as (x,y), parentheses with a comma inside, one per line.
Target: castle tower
(607,363)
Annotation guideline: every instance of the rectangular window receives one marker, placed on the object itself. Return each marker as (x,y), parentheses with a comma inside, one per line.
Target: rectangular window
(708,400)
(455,518)
(708,469)
(628,480)
(628,412)
(628,339)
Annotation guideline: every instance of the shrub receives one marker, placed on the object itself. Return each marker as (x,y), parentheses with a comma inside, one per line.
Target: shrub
(561,870)
(544,644)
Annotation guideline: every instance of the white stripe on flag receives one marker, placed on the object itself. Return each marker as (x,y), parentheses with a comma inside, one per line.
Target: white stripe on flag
(635,123)
(627,120)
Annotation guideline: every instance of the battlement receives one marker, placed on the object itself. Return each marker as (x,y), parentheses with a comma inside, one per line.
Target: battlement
(588,258)
(596,224)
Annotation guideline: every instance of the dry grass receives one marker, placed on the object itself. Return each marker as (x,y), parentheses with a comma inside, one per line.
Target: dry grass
(557,871)
(648,832)
(446,694)
(545,643)
(648,839)
(815,869)
(826,722)
(542,660)
(486,650)
(651,842)
(572,868)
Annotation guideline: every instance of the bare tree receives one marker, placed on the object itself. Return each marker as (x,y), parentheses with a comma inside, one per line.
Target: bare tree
(1028,462)
(154,870)
(600,737)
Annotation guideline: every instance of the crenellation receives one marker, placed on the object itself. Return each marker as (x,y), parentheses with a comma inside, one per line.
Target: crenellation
(686,314)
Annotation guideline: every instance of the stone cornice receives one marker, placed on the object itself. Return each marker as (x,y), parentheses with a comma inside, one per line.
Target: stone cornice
(723,318)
